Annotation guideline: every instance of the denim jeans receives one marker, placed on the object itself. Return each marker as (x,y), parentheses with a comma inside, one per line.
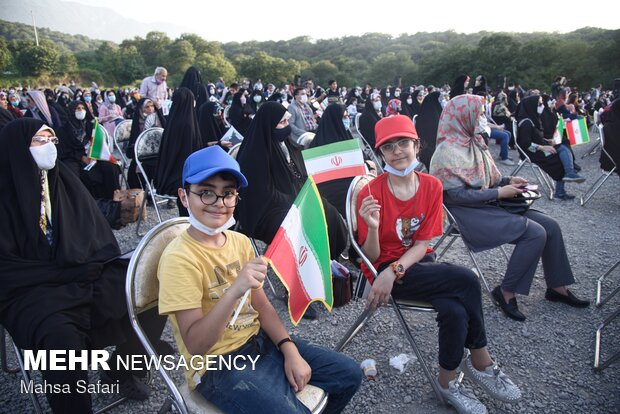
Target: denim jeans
(567,160)
(504,138)
(267,390)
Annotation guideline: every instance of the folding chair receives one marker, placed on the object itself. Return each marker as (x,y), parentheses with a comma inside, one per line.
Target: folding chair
(542,177)
(452,232)
(604,175)
(595,125)
(598,366)
(305,139)
(142,293)
(147,145)
(398,305)
(414,118)
(226,119)
(120,138)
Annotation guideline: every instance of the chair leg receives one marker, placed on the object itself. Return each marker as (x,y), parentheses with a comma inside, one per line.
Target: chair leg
(594,188)
(416,350)
(26,377)
(450,243)
(3,355)
(140,217)
(355,328)
(479,270)
(504,253)
(598,366)
(518,167)
(599,286)
(592,148)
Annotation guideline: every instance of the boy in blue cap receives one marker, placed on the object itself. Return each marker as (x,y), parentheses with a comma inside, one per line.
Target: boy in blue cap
(204,273)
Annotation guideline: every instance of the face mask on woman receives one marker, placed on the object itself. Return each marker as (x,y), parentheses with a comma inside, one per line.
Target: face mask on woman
(304,99)
(257,98)
(87,99)
(281,134)
(409,101)
(111,98)
(540,109)
(377,105)
(44,155)
(80,115)
(15,103)
(243,100)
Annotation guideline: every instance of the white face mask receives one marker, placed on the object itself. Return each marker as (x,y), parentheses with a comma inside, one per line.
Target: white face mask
(256,98)
(409,101)
(377,105)
(193,221)
(303,98)
(396,94)
(540,109)
(404,172)
(44,155)
(80,115)
(387,94)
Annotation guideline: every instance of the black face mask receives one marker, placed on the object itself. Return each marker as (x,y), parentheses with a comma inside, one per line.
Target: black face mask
(282,134)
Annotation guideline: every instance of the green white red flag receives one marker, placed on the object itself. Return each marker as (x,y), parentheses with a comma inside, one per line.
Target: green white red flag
(99,149)
(299,253)
(333,161)
(577,131)
(559,132)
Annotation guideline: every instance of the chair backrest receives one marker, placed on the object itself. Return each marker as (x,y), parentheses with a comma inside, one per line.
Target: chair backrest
(305,139)
(415,117)
(226,120)
(147,143)
(234,150)
(357,122)
(123,131)
(142,285)
(601,134)
(351,207)
(515,129)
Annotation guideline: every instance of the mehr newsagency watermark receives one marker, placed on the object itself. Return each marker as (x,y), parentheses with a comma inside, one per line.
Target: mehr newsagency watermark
(71,360)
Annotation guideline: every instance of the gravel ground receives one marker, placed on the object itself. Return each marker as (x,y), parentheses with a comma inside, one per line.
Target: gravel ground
(549,356)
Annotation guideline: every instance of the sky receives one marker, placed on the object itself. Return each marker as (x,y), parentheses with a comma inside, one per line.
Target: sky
(243,20)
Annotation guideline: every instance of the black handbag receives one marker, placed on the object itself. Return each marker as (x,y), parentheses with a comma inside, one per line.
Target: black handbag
(519,204)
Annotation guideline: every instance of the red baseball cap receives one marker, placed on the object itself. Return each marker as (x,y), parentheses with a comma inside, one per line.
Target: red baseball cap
(392,127)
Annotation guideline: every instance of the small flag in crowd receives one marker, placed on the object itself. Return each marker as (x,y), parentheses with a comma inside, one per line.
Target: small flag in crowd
(232,135)
(559,132)
(299,253)
(338,160)
(577,131)
(99,149)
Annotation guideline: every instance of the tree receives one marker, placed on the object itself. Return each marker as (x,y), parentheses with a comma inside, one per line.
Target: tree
(40,60)
(388,66)
(6,57)
(323,71)
(67,63)
(131,65)
(154,49)
(214,66)
(181,55)
(266,67)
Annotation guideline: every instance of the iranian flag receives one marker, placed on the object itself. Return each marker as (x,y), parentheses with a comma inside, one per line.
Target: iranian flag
(577,131)
(559,132)
(99,149)
(338,160)
(299,253)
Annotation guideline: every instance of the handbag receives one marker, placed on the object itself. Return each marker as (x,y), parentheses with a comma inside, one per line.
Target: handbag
(111,210)
(518,204)
(131,201)
(342,286)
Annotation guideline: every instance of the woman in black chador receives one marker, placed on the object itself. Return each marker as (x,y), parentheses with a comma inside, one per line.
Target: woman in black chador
(63,285)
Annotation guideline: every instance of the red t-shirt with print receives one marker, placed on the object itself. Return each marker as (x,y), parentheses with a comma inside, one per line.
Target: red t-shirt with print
(422,217)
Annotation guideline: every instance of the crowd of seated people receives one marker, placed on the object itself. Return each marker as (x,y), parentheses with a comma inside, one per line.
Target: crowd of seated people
(53,185)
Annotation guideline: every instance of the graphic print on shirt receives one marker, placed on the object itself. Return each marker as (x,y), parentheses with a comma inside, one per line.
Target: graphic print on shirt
(406,228)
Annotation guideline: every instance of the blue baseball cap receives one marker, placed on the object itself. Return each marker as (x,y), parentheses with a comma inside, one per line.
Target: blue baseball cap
(209,161)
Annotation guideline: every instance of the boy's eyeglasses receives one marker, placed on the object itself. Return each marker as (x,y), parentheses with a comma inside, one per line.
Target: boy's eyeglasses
(391,146)
(209,198)
(42,139)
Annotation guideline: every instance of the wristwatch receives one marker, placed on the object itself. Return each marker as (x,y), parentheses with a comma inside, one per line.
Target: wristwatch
(398,269)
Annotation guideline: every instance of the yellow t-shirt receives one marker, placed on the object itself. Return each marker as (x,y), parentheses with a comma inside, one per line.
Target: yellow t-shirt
(192,275)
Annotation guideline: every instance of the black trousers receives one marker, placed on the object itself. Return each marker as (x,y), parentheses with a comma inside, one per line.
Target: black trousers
(454,291)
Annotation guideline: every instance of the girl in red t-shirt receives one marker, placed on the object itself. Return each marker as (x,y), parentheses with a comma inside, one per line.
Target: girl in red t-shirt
(400,212)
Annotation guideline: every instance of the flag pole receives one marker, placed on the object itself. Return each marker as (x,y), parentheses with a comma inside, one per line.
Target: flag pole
(238,310)
(36,35)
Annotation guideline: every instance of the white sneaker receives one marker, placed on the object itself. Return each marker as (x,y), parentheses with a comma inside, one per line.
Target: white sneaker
(493,381)
(462,399)
(507,161)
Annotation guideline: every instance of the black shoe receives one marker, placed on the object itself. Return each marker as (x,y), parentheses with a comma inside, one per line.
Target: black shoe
(129,387)
(570,299)
(310,313)
(510,309)
(565,197)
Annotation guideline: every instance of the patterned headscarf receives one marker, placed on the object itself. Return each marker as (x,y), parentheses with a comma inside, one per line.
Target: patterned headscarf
(462,157)
(392,107)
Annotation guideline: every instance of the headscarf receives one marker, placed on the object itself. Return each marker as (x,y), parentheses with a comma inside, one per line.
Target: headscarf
(39,279)
(192,80)
(392,107)
(426,124)
(548,119)
(39,101)
(458,87)
(79,130)
(137,124)
(368,119)
(482,87)
(331,129)
(210,129)
(528,109)
(272,184)
(181,138)
(415,105)
(462,156)
(5,117)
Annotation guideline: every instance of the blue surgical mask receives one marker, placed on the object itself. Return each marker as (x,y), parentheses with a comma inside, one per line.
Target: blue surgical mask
(111,98)
(346,122)
(87,99)
(404,172)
